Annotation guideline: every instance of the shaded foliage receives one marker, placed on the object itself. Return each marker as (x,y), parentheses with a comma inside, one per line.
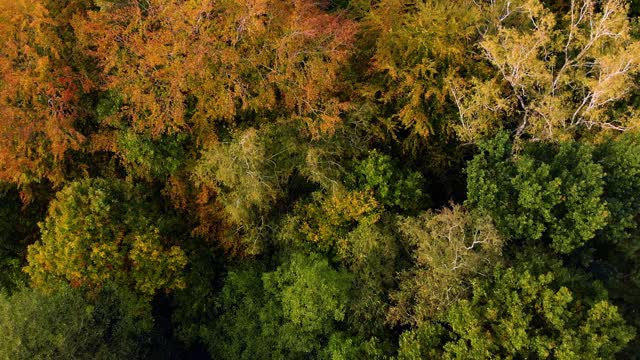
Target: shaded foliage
(65,324)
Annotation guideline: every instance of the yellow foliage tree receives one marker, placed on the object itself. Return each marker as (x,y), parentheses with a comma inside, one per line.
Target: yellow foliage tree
(96,233)
(556,76)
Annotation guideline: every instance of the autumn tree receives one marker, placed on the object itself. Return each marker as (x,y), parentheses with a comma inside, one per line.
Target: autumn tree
(449,249)
(226,59)
(248,173)
(556,76)
(40,91)
(416,49)
(322,221)
(101,232)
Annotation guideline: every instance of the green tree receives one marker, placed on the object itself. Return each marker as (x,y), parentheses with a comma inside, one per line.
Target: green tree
(150,158)
(620,160)
(391,184)
(618,244)
(64,324)
(545,191)
(293,312)
(307,299)
(519,312)
(370,253)
(236,333)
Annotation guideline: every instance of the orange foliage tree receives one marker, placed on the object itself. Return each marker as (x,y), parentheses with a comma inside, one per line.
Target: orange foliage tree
(39,90)
(220,58)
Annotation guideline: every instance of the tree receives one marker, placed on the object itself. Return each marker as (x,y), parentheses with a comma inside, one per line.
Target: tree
(149,158)
(556,76)
(618,244)
(323,221)
(621,164)
(99,232)
(370,253)
(391,185)
(519,313)
(417,48)
(545,191)
(249,173)
(236,332)
(448,250)
(227,58)
(307,298)
(292,312)
(66,325)
(40,92)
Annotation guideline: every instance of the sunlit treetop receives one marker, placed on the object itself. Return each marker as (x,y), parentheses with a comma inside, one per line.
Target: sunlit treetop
(221,58)
(99,232)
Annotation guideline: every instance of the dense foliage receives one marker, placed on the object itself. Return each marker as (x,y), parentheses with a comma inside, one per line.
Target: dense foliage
(330,179)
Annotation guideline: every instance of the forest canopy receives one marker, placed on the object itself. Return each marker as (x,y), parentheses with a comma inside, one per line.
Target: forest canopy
(319,179)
